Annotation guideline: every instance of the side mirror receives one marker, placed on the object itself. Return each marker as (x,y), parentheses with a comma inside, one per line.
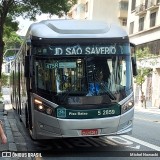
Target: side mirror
(134,66)
(27,66)
(133,58)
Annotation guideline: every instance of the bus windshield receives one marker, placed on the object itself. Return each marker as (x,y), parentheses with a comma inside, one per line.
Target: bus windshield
(88,76)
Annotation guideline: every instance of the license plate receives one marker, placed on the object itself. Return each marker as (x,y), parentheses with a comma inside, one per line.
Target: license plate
(89,132)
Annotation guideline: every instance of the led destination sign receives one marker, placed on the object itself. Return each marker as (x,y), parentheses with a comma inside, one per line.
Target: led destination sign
(85,50)
(89,50)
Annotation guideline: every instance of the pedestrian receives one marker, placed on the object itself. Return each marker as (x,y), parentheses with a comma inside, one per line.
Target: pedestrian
(2,134)
(143,100)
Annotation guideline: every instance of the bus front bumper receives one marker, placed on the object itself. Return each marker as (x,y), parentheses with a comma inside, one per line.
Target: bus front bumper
(48,127)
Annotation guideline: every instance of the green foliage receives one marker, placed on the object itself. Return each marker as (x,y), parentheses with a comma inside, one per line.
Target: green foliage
(142,74)
(61,7)
(143,53)
(30,8)
(10,9)
(4,80)
(10,25)
(10,38)
(13,41)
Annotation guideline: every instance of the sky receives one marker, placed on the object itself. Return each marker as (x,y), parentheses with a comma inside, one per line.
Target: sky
(25,23)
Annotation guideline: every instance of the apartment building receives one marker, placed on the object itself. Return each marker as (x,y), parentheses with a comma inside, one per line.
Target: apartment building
(143,21)
(105,10)
(144,30)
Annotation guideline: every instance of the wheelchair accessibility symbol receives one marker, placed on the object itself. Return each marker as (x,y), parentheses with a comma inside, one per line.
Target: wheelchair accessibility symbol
(61,113)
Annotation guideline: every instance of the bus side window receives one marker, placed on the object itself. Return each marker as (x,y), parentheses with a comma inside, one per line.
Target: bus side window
(26,66)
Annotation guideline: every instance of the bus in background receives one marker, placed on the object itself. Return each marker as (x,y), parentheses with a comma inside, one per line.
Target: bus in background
(73,78)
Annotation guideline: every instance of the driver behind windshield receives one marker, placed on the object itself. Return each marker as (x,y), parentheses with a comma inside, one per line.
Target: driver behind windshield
(101,74)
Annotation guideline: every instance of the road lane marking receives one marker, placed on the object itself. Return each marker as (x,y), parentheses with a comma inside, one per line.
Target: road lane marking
(134,147)
(119,140)
(149,145)
(108,141)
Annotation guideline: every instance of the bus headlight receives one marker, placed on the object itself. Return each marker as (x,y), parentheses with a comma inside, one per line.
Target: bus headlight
(49,111)
(127,106)
(44,108)
(40,107)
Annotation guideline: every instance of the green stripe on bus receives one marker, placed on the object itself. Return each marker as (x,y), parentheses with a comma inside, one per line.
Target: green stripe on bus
(64,113)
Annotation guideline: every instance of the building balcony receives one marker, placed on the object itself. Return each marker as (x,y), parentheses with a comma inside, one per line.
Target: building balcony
(141,9)
(152,5)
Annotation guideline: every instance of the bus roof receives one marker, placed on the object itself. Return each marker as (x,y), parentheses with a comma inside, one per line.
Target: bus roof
(75,29)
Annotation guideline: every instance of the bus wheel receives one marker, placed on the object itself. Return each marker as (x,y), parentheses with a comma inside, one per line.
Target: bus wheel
(31,135)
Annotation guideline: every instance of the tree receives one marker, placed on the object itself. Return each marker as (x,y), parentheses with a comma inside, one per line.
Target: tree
(140,78)
(143,53)
(10,37)
(142,72)
(10,9)
(4,80)
(13,40)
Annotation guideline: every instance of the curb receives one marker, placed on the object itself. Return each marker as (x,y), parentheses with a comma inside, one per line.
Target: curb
(9,134)
(17,141)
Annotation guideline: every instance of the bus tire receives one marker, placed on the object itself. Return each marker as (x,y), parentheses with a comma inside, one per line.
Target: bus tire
(31,136)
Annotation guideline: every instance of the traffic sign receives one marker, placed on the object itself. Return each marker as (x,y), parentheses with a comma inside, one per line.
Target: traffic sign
(11,58)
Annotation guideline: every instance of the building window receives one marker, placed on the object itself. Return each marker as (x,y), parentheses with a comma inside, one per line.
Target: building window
(131,28)
(123,6)
(141,23)
(146,3)
(153,19)
(133,7)
(124,21)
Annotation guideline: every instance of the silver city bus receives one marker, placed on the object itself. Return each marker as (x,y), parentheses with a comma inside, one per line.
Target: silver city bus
(73,78)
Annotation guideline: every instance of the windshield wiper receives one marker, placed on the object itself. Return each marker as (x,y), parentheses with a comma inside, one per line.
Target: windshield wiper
(105,88)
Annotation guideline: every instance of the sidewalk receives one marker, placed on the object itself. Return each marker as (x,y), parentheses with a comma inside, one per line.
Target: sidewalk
(3,118)
(15,140)
(148,110)
(11,145)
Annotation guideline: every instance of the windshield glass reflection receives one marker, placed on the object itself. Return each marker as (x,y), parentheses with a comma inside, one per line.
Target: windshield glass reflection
(92,76)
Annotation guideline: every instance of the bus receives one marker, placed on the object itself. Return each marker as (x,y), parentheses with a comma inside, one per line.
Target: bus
(73,78)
